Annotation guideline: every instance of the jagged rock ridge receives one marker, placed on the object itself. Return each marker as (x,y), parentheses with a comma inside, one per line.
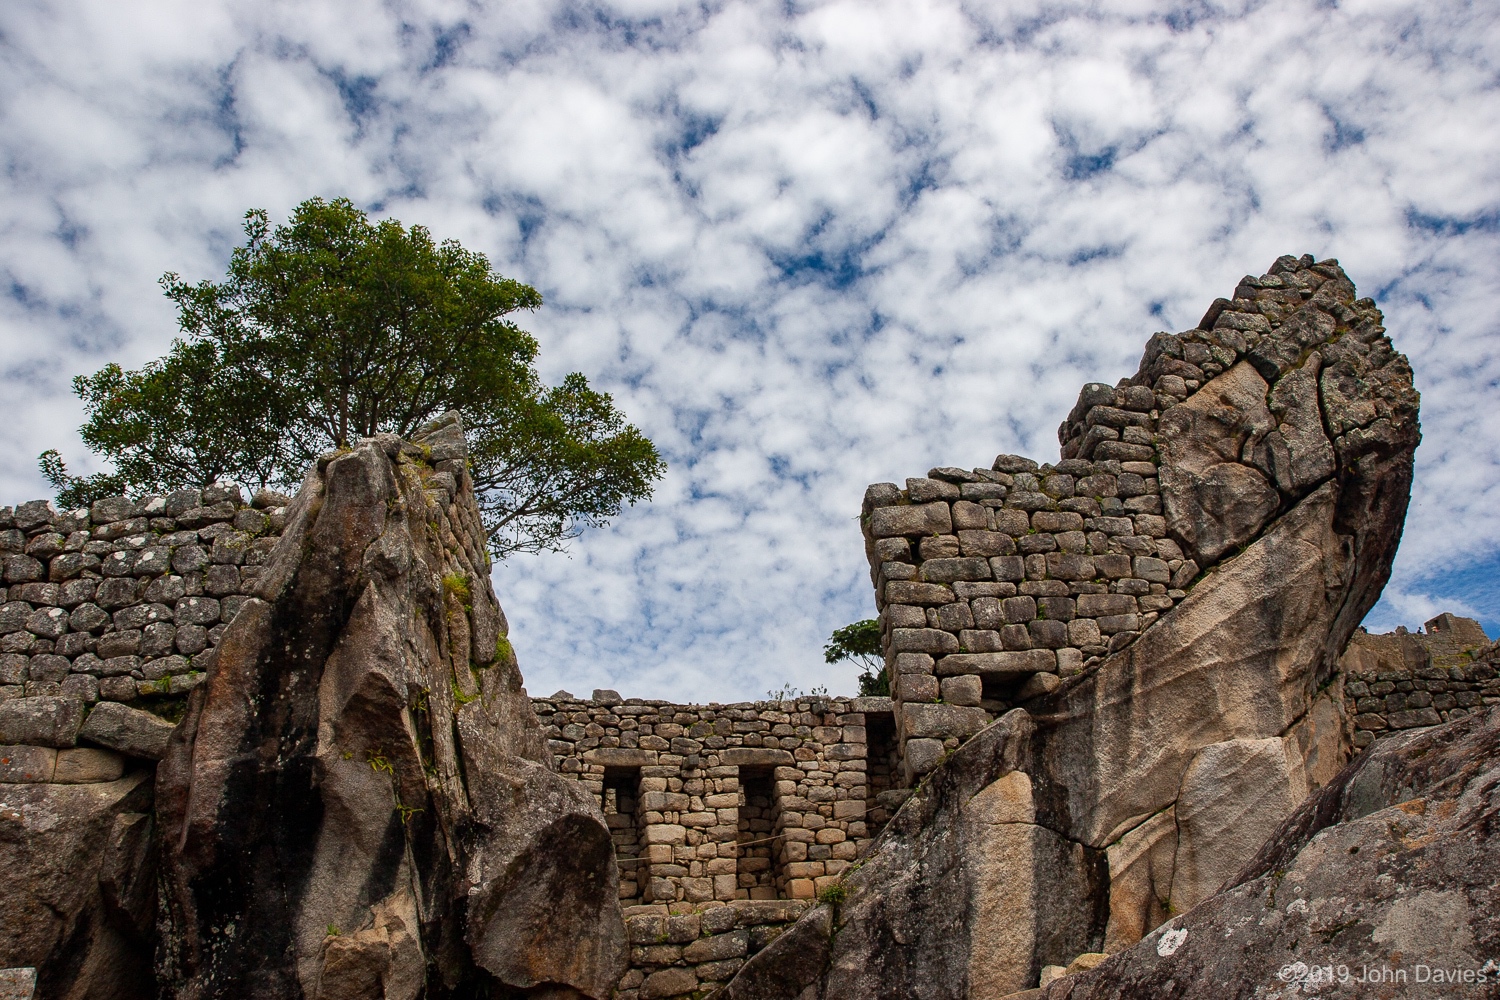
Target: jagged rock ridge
(358,802)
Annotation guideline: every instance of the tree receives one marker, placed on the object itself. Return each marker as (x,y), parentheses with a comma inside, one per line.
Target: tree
(860,642)
(331,328)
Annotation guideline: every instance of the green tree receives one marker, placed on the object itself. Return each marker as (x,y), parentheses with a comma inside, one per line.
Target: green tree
(333,327)
(860,642)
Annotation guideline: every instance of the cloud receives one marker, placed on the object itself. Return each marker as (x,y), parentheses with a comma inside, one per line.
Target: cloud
(807,246)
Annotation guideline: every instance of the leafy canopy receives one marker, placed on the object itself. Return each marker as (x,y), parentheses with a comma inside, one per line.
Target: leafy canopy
(860,642)
(333,327)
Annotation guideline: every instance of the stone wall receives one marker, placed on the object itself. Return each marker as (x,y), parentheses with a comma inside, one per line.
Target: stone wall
(1405,680)
(995,585)
(728,820)
(126,600)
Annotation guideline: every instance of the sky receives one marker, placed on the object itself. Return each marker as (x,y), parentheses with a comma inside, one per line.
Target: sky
(806,246)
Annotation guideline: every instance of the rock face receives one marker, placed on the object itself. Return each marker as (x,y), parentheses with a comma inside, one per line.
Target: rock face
(1384,883)
(80,886)
(359,802)
(1185,580)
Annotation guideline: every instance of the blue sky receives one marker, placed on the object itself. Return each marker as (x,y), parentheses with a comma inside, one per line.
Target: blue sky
(808,246)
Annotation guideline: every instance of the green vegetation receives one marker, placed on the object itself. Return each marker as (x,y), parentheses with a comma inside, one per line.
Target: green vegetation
(834,893)
(333,327)
(860,642)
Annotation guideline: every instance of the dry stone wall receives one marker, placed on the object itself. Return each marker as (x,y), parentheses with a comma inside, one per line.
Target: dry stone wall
(996,585)
(728,820)
(127,599)
(1405,680)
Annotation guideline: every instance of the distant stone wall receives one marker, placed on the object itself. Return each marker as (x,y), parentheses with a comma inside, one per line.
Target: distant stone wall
(728,820)
(126,600)
(1404,680)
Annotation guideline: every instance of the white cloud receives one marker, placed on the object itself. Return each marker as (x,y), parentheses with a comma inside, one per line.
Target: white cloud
(807,246)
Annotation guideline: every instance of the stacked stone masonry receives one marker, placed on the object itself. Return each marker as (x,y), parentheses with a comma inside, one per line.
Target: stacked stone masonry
(993,585)
(728,820)
(125,600)
(1404,680)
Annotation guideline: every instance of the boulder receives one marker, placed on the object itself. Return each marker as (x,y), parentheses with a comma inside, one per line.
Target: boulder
(128,730)
(1385,882)
(365,798)
(80,887)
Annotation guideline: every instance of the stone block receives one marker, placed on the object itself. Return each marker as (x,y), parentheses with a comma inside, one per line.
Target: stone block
(1018,610)
(1099,605)
(26,764)
(938,547)
(718,947)
(980,640)
(949,570)
(1111,624)
(1054,521)
(41,721)
(1048,634)
(672,982)
(1012,568)
(921,519)
(903,616)
(955,617)
(127,730)
(87,765)
(17,984)
(963,689)
(916,687)
(914,663)
(920,756)
(1006,664)
(911,592)
(923,640)
(987,612)
(664,833)
(986,543)
(969,516)
(1070,566)
(756,757)
(849,809)
(941,721)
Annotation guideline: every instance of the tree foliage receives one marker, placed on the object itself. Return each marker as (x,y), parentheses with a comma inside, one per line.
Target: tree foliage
(333,327)
(860,642)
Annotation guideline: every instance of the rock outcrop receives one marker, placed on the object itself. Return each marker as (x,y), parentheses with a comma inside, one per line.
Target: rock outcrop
(359,802)
(1386,882)
(1173,647)
(80,886)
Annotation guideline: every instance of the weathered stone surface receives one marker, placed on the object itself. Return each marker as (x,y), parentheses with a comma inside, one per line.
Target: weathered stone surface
(1140,880)
(333,773)
(128,730)
(1233,796)
(17,984)
(87,765)
(1242,656)
(80,892)
(44,720)
(1391,867)
(1213,502)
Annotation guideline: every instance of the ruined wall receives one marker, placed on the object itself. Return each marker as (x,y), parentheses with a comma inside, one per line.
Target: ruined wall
(1405,680)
